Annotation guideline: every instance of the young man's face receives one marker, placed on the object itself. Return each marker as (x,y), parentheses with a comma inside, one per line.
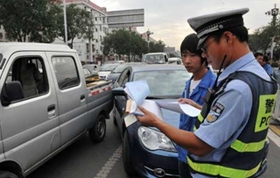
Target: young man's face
(191,61)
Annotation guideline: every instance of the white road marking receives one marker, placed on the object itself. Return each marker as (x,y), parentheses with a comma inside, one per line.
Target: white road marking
(274,137)
(105,170)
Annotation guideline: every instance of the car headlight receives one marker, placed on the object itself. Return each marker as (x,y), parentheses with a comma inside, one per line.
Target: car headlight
(155,140)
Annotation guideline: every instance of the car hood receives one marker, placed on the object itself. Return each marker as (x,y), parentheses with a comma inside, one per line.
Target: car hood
(171,117)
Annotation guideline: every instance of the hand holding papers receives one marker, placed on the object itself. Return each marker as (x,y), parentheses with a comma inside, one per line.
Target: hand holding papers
(137,91)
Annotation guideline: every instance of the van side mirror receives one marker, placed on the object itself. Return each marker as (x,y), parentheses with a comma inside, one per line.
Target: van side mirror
(11,91)
(119,91)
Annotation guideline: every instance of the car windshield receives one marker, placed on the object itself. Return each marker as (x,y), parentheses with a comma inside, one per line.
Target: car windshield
(164,83)
(108,67)
(154,58)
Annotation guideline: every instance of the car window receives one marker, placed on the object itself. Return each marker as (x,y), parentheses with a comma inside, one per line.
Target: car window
(30,72)
(164,82)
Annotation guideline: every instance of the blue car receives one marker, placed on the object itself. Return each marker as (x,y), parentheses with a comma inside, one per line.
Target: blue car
(146,150)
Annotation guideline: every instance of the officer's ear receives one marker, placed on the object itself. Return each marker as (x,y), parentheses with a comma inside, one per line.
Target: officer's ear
(228,36)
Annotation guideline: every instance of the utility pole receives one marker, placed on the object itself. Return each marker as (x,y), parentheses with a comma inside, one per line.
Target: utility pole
(274,12)
(65,22)
(148,37)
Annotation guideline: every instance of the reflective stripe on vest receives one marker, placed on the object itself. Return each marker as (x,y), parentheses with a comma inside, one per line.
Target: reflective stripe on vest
(215,170)
(239,146)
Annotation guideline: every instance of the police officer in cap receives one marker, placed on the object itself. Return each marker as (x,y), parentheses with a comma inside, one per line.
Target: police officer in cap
(229,137)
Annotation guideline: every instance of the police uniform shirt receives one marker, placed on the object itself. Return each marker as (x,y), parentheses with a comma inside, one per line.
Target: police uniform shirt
(230,110)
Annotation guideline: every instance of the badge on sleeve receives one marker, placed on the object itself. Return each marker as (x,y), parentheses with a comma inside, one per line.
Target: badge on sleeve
(215,112)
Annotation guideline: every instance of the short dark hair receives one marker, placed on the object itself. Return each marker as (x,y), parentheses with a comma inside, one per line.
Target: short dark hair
(265,58)
(240,32)
(256,54)
(190,44)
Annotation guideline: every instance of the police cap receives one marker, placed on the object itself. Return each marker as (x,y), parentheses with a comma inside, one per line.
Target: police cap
(207,24)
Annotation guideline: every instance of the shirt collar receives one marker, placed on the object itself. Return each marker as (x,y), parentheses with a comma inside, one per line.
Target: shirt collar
(236,65)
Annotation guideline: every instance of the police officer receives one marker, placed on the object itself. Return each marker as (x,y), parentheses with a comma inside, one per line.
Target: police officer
(195,91)
(230,135)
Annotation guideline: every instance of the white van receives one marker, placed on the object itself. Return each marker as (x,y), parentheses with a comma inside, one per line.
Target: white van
(46,104)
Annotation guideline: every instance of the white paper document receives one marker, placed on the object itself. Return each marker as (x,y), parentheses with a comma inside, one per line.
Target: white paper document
(180,108)
(137,90)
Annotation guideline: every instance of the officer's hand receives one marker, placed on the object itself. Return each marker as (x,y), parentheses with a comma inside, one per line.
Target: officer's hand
(148,119)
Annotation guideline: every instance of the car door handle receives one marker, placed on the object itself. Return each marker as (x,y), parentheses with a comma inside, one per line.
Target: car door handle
(82,98)
(51,110)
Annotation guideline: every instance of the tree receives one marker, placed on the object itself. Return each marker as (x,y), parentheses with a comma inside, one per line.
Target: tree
(124,42)
(28,18)
(261,39)
(157,46)
(80,24)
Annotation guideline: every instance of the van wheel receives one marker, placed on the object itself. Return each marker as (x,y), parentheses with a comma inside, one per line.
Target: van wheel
(6,174)
(126,155)
(98,131)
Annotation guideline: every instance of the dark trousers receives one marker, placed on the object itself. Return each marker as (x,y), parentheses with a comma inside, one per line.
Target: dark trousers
(184,170)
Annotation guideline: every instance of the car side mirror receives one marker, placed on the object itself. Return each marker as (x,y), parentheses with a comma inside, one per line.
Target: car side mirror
(11,91)
(119,91)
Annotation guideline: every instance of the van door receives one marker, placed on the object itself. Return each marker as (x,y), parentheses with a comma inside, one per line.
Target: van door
(29,124)
(71,94)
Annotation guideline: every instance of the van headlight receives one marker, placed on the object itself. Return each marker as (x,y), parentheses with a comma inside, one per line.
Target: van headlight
(155,140)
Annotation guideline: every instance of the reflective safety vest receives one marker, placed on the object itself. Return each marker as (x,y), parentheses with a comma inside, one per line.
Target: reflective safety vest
(244,156)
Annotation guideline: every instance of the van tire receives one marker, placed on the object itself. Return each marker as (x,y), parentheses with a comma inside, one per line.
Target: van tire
(98,131)
(7,174)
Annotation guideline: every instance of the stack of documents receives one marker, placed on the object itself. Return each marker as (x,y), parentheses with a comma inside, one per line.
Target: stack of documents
(137,91)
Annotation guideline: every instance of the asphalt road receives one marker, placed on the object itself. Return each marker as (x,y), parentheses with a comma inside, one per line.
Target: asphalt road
(84,159)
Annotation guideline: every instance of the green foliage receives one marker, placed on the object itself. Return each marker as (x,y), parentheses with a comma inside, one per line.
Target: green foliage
(156,47)
(21,19)
(261,39)
(126,42)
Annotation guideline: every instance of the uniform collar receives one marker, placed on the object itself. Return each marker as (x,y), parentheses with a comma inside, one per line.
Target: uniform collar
(236,65)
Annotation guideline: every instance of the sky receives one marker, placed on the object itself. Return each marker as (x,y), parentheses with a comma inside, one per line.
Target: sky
(167,19)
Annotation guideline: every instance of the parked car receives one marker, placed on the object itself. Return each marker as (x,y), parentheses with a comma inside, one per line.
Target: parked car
(114,75)
(106,69)
(146,150)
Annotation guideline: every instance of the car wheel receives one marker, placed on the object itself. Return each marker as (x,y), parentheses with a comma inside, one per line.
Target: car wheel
(98,131)
(6,174)
(127,163)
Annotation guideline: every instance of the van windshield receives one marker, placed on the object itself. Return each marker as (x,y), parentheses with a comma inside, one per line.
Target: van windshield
(154,58)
